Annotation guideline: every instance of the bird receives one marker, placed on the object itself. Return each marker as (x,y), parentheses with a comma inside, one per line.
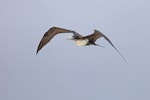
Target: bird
(78,38)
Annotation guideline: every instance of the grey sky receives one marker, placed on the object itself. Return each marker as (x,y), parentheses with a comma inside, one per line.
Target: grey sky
(64,71)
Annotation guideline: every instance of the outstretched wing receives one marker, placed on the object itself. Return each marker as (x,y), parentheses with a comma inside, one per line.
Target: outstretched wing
(50,34)
(99,34)
(93,37)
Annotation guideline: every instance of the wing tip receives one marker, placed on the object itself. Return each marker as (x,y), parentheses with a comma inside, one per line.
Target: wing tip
(37,52)
(38,49)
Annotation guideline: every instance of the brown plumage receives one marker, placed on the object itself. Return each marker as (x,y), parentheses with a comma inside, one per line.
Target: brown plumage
(79,39)
(97,34)
(50,34)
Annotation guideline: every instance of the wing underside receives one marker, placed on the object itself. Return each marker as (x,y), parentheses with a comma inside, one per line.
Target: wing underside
(50,34)
(108,40)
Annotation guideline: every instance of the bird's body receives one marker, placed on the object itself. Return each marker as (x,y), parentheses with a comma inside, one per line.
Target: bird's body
(78,39)
(81,42)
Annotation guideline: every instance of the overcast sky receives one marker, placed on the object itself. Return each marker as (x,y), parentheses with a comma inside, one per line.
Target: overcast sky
(64,71)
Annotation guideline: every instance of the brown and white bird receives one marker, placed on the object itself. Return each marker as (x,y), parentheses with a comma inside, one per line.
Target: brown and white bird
(78,39)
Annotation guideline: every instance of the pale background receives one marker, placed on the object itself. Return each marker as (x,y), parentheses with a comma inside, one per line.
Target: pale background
(64,71)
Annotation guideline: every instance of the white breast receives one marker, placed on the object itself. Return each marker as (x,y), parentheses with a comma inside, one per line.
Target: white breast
(81,42)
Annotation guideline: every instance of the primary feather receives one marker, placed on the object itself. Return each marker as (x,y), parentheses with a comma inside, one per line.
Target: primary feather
(50,34)
(100,34)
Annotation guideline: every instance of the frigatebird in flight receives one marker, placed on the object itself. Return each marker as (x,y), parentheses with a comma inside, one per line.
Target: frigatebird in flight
(78,39)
